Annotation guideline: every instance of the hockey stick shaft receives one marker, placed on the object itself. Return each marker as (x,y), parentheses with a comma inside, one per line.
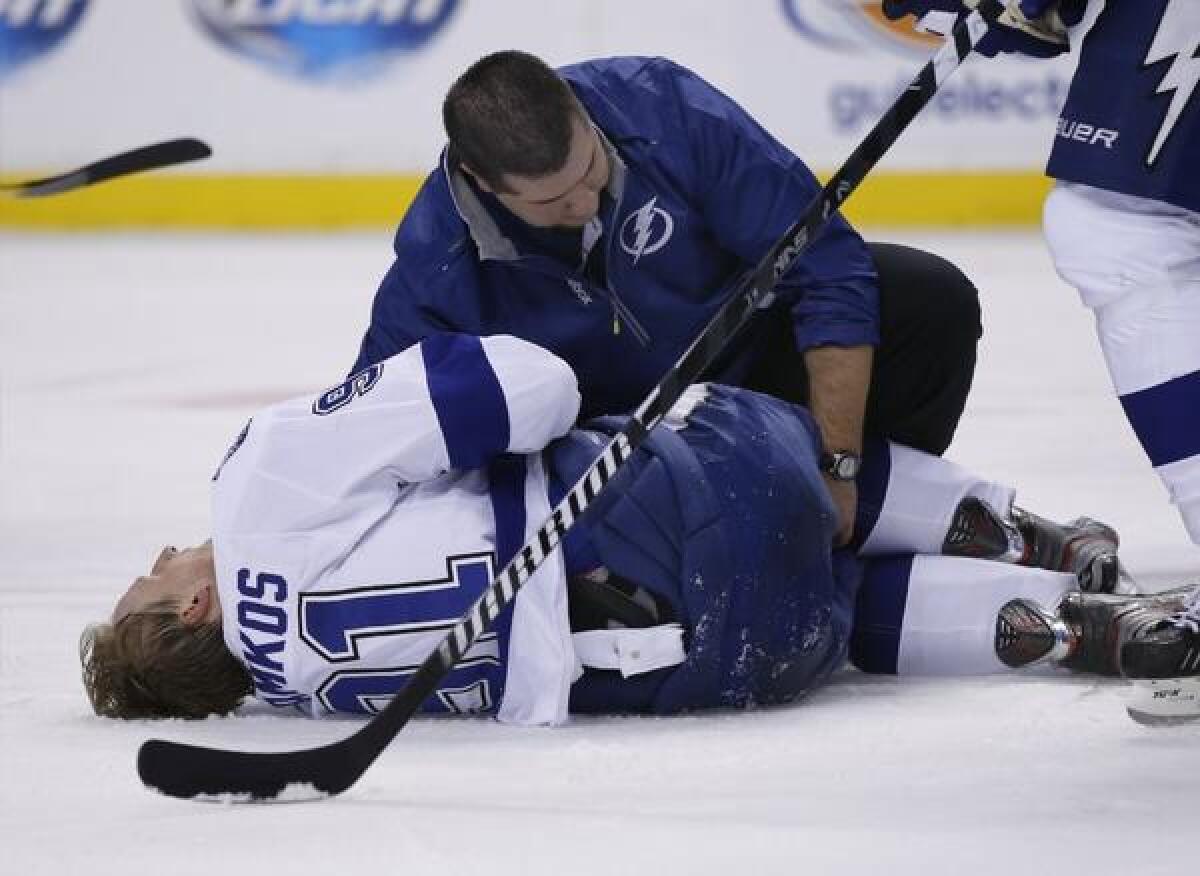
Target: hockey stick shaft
(152,157)
(190,771)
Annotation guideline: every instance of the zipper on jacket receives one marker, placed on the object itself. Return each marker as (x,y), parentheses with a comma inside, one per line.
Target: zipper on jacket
(622,314)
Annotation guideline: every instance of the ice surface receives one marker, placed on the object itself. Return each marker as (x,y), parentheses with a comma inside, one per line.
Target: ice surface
(129,362)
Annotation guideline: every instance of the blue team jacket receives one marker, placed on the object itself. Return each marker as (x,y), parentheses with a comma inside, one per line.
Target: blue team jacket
(729,521)
(699,192)
(1131,121)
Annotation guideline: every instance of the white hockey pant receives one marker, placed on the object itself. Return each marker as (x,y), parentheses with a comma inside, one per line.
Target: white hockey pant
(928,614)
(1136,265)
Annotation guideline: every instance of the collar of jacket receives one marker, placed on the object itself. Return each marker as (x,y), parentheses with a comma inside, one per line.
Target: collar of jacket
(490,240)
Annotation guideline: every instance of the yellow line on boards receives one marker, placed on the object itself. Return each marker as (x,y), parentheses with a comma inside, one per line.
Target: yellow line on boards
(950,199)
(182,201)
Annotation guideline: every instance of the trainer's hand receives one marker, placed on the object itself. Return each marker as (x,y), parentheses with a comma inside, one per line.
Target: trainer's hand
(845,500)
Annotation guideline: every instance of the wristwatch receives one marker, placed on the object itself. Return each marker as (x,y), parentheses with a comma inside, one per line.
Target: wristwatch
(841,465)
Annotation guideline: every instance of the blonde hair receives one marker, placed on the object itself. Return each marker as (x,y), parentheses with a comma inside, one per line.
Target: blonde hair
(152,665)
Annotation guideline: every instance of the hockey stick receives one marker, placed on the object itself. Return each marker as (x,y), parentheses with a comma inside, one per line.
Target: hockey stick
(150,157)
(189,771)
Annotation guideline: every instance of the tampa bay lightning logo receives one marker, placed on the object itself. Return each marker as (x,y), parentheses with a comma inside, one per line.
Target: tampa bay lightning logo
(323,39)
(1176,41)
(31,28)
(646,230)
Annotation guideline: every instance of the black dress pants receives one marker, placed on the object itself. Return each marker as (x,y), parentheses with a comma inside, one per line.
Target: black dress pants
(923,367)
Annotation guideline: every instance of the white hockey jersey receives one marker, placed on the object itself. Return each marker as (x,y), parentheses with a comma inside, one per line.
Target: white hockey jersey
(353,529)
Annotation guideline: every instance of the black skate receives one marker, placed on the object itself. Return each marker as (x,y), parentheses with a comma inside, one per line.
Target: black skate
(1103,625)
(1084,547)
(1169,649)
(1090,632)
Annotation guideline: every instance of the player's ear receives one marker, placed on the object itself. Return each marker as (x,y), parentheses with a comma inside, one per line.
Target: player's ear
(196,611)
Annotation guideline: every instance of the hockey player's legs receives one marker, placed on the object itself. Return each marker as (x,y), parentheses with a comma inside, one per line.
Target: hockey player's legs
(937,615)
(907,499)
(955,616)
(1136,265)
(931,614)
(911,502)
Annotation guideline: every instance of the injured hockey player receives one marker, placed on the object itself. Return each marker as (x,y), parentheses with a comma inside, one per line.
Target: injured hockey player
(351,530)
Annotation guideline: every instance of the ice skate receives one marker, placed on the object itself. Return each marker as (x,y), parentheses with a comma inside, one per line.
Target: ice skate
(1084,547)
(1164,665)
(1096,632)
(1171,648)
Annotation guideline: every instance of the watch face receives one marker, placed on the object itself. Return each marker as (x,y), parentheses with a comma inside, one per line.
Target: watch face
(842,466)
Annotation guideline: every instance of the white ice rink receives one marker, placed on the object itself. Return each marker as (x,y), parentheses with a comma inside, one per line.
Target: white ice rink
(128,363)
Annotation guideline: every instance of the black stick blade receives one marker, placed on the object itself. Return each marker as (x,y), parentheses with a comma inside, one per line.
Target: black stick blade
(192,772)
(152,157)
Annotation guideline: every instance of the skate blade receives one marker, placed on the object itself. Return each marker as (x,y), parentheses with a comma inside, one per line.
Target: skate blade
(1165,702)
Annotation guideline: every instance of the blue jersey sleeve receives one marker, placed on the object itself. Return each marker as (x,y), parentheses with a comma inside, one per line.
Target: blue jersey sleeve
(396,324)
(434,268)
(754,189)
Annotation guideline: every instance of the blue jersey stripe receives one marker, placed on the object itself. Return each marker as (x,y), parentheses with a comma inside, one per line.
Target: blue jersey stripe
(879,615)
(1166,418)
(872,484)
(466,394)
(506,486)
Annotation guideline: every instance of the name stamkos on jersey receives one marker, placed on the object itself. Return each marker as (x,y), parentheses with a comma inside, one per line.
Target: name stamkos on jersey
(262,619)
(1082,132)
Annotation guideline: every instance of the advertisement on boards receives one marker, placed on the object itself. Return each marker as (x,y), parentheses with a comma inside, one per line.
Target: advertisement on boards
(322,41)
(1016,99)
(32,29)
(326,90)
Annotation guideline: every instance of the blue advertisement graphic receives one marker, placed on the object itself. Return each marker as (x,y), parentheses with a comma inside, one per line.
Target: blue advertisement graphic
(323,39)
(31,28)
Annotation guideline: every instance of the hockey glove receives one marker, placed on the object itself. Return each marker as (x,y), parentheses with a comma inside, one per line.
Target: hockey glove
(1038,18)
(1030,27)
